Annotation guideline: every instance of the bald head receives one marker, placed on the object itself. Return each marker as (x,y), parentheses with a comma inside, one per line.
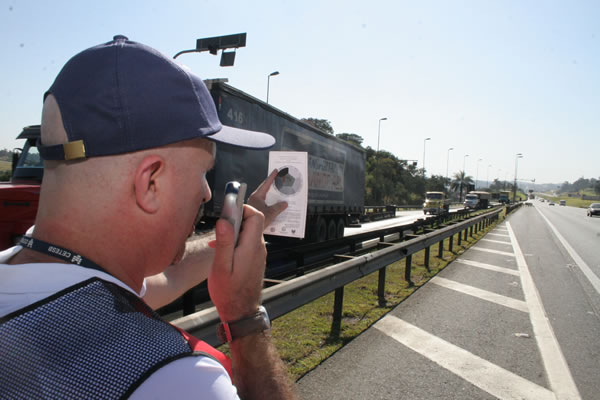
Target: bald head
(142,204)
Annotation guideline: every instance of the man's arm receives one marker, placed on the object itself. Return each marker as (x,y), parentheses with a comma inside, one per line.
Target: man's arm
(166,287)
(235,284)
(163,288)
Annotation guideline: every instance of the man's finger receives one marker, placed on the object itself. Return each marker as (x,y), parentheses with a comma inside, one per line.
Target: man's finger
(273,211)
(264,187)
(224,245)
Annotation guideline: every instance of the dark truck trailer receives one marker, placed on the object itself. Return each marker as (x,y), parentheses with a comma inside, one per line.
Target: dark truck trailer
(336,169)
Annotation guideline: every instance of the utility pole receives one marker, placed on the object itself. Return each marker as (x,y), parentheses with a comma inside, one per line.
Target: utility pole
(517,156)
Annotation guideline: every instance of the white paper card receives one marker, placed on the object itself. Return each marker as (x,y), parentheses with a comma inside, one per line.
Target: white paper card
(291,186)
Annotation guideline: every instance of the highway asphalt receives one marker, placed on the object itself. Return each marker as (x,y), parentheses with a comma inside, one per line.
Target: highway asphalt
(514,317)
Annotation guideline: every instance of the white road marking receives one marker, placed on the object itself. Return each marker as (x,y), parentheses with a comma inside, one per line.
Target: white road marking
(559,375)
(481,294)
(494,241)
(491,378)
(497,234)
(504,253)
(490,267)
(589,274)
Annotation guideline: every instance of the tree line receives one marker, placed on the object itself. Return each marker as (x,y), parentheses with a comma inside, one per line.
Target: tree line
(580,185)
(391,180)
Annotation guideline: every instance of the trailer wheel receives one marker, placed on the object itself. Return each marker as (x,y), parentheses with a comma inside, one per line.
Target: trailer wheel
(331,229)
(320,230)
(340,227)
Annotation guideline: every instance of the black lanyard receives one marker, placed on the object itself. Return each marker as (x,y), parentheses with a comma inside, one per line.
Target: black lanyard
(58,252)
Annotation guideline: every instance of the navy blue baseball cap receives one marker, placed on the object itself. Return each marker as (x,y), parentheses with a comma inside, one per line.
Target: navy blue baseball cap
(123,96)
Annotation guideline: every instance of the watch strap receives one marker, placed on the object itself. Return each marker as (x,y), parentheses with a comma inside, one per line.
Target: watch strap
(258,322)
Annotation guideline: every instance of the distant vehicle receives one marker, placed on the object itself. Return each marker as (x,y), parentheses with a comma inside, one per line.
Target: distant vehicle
(477,200)
(504,197)
(551,203)
(562,203)
(593,209)
(19,197)
(435,203)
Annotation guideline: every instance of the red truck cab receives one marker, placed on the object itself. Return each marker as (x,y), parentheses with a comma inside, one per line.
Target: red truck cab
(19,198)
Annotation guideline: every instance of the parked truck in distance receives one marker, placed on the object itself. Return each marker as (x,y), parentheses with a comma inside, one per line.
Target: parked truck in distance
(504,197)
(477,200)
(435,203)
(20,196)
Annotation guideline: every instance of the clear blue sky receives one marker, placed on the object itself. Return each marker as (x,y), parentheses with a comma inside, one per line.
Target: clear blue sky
(488,78)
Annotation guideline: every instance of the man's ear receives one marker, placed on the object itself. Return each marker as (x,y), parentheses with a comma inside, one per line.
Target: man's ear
(149,177)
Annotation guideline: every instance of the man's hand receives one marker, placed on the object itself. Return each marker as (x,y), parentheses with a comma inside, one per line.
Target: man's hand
(235,285)
(236,279)
(257,200)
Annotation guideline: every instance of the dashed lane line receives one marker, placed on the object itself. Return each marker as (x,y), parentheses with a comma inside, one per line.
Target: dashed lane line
(559,376)
(489,267)
(589,274)
(489,377)
(504,253)
(494,241)
(481,294)
(496,234)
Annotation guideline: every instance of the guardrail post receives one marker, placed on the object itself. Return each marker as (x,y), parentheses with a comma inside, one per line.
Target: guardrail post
(441,250)
(459,242)
(427,252)
(189,306)
(471,229)
(466,233)
(299,264)
(381,287)
(450,240)
(407,269)
(338,302)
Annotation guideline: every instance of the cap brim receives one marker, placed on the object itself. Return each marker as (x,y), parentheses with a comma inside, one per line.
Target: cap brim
(243,138)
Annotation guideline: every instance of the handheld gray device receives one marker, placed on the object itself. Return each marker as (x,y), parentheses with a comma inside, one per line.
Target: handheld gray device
(233,205)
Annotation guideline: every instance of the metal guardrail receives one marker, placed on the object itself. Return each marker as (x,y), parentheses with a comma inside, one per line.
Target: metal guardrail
(289,295)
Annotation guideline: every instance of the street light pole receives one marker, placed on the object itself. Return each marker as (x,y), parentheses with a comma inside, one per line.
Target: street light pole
(448,161)
(269,81)
(517,156)
(487,178)
(379,131)
(477,174)
(424,142)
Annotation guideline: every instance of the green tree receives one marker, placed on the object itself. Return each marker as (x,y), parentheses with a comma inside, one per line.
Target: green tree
(581,184)
(351,137)
(460,182)
(436,183)
(321,124)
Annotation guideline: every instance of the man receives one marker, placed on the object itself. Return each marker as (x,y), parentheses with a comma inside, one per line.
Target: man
(127,138)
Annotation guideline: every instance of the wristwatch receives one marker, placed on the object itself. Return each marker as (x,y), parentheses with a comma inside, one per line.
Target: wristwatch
(259,322)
